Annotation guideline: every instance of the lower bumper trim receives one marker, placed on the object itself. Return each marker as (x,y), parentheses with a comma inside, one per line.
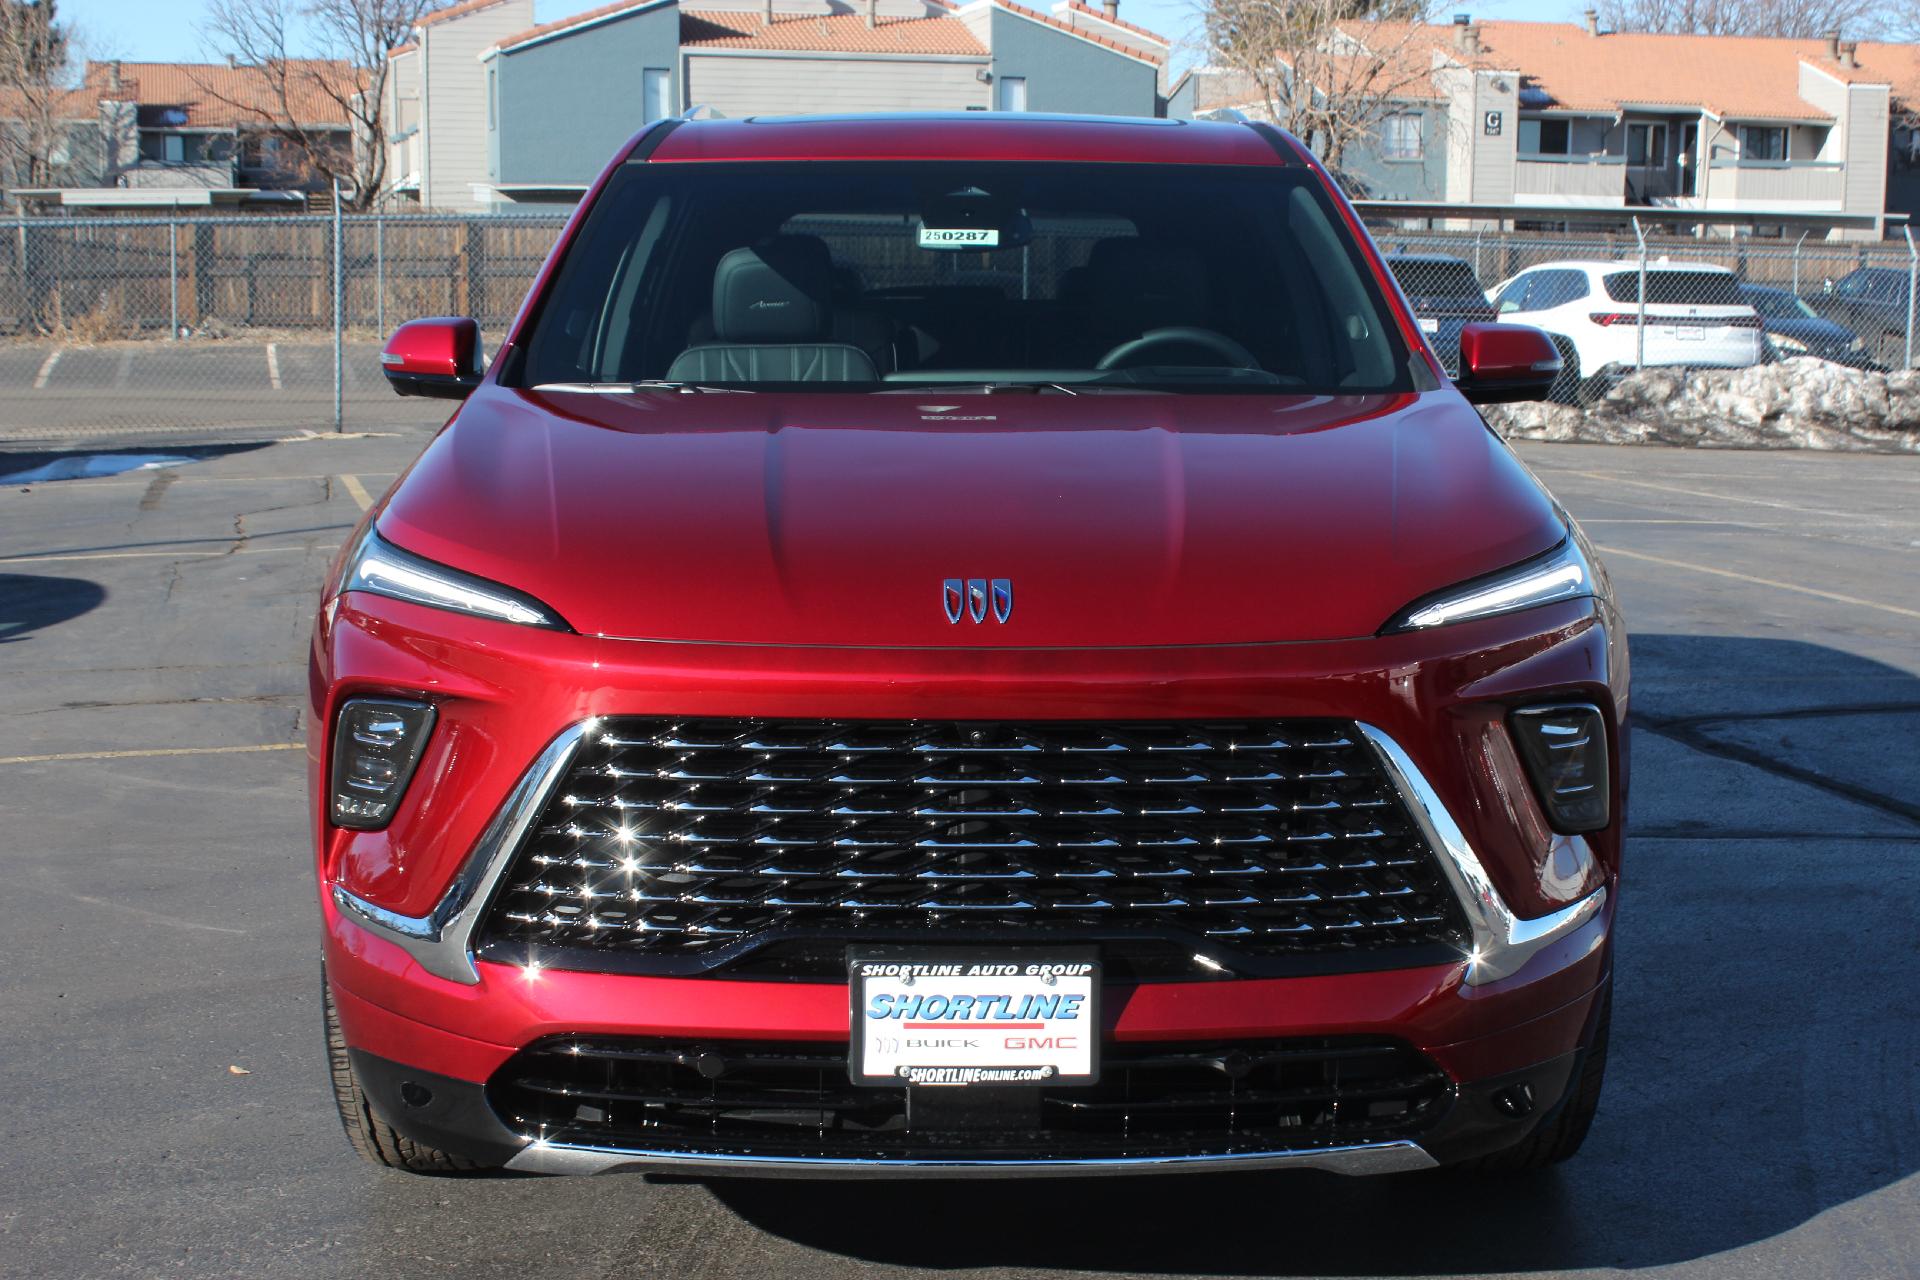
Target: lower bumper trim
(562,1158)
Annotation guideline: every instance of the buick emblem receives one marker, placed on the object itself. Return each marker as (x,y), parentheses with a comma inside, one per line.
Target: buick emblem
(976,598)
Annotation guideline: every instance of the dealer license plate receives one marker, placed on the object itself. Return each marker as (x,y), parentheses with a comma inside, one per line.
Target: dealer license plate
(974,1017)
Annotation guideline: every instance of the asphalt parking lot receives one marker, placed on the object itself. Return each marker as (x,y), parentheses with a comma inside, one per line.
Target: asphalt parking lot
(154,390)
(167,1110)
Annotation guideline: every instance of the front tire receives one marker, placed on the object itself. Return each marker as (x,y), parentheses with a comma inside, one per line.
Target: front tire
(377,1141)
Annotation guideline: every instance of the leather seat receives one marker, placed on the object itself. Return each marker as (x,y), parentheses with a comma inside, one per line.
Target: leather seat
(773,320)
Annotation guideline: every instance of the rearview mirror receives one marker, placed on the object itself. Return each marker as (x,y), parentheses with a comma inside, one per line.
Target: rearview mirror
(439,357)
(1500,363)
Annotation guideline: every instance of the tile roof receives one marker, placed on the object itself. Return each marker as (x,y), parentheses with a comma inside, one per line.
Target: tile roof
(1081,32)
(827,33)
(217,96)
(454,11)
(576,20)
(1101,14)
(1737,77)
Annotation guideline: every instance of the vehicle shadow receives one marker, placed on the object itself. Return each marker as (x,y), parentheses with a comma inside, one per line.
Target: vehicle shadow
(1753,1087)
(30,603)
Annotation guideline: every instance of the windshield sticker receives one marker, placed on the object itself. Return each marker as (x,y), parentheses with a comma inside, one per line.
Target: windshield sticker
(959,237)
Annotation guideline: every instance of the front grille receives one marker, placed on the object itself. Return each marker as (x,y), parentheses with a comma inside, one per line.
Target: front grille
(687,843)
(739,1098)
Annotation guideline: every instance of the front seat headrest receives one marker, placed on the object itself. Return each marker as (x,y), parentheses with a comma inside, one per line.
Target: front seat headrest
(775,291)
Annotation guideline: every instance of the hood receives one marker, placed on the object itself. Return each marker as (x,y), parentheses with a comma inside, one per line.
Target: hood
(830,519)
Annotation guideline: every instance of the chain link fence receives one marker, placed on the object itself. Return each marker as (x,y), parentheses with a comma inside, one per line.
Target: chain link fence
(164,328)
(231,325)
(1617,304)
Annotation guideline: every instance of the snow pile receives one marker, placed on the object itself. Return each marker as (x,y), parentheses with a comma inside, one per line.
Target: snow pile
(1801,403)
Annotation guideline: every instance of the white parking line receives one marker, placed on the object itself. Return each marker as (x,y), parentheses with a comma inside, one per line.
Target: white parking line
(182,556)
(357,491)
(1762,582)
(273,365)
(1722,497)
(46,369)
(151,751)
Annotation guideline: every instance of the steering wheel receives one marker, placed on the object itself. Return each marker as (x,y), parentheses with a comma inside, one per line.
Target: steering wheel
(1233,354)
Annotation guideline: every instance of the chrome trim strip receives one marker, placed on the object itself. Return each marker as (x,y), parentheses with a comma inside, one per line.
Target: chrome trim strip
(541,1156)
(1502,941)
(439,939)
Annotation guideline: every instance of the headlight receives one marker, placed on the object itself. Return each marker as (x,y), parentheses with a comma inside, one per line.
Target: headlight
(1561,574)
(1793,345)
(383,569)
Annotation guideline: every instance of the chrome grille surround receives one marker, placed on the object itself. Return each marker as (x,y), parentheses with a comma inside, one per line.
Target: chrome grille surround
(695,840)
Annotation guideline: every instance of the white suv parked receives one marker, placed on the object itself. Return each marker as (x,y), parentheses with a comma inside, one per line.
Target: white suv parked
(1694,315)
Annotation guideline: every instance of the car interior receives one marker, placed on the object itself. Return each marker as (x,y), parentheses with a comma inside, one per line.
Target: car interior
(1140,277)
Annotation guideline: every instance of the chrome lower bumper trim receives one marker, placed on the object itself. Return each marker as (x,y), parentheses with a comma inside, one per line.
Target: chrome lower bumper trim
(562,1158)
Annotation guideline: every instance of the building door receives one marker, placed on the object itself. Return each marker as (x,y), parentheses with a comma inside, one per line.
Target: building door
(1689,157)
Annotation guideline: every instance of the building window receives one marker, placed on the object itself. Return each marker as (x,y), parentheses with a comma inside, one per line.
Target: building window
(656,93)
(1763,142)
(1647,144)
(173,149)
(1012,92)
(1400,136)
(1545,137)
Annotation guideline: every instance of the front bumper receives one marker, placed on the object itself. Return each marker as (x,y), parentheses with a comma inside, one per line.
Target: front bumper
(417,1007)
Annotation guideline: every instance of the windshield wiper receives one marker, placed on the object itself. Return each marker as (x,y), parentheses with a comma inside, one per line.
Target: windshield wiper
(645,384)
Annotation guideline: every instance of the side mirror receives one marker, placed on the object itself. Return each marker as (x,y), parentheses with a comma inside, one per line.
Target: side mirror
(435,357)
(1500,363)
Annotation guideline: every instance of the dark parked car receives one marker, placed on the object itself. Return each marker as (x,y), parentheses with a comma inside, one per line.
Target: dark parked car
(1872,301)
(1795,329)
(1445,295)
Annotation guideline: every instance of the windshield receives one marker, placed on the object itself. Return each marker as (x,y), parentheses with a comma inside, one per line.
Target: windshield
(1778,304)
(1691,288)
(883,275)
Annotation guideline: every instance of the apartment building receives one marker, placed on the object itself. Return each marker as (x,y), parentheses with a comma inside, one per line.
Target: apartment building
(493,111)
(1568,116)
(160,135)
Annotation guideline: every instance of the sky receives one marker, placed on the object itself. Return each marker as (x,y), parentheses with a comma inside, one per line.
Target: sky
(168,30)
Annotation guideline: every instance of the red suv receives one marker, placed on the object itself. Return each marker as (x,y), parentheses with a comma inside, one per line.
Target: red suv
(967,646)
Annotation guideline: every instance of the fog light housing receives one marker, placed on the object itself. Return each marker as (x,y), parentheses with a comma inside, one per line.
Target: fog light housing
(376,744)
(1565,749)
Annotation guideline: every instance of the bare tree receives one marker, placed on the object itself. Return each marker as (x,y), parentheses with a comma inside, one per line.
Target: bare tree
(1330,71)
(345,45)
(35,71)
(1801,19)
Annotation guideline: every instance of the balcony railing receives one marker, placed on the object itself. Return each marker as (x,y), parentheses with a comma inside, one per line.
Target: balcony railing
(1782,182)
(1582,179)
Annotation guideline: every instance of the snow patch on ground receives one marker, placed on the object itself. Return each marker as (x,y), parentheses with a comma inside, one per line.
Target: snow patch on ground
(1796,404)
(94,465)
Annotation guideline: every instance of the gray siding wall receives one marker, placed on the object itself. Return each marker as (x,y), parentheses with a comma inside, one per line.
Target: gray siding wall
(763,84)
(1371,175)
(567,103)
(1067,73)
(455,100)
(1867,125)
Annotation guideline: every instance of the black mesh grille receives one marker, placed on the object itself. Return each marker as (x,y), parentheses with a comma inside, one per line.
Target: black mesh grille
(795,1100)
(698,840)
